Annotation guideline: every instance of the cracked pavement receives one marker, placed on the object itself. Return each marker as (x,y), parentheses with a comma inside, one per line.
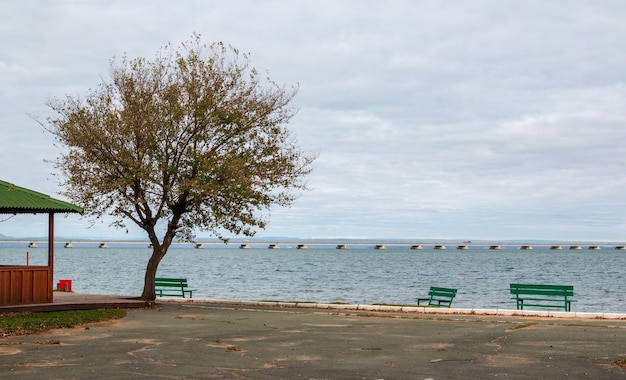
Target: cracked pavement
(198,341)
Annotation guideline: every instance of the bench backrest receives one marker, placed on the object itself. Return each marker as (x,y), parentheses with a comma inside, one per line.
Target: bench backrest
(543,290)
(174,282)
(442,292)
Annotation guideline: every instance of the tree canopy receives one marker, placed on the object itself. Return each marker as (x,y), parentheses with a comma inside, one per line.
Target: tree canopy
(195,137)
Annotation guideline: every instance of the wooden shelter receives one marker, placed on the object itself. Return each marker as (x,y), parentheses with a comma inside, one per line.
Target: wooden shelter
(25,284)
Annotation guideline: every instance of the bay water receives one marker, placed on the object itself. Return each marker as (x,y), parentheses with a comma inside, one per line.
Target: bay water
(358,275)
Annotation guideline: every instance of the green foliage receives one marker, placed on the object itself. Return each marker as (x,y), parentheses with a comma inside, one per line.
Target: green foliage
(193,140)
(195,136)
(30,323)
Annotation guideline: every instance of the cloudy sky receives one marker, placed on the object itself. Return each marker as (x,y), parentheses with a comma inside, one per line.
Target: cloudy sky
(432,119)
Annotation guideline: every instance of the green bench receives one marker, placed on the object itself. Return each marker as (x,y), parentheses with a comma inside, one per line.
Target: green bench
(539,295)
(172,287)
(438,297)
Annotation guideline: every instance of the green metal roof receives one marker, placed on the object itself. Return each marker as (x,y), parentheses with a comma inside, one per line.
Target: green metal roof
(19,200)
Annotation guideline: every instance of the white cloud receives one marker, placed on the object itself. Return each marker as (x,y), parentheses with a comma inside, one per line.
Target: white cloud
(489,119)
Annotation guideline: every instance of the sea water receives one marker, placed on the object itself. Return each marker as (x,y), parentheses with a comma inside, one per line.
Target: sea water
(357,275)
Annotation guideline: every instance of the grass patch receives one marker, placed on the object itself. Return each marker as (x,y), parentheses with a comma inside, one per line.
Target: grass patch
(32,323)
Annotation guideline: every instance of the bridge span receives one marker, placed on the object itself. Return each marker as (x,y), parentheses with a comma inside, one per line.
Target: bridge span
(342,244)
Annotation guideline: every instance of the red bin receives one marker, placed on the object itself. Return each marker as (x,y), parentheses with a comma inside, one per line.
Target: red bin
(65,285)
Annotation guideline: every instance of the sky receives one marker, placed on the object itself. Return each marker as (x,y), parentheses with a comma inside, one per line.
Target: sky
(482,120)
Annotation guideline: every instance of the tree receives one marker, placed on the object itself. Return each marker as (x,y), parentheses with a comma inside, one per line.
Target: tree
(195,139)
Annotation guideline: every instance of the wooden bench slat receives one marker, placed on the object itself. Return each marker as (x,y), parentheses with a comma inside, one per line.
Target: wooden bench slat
(172,287)
(438,297)
(543,295)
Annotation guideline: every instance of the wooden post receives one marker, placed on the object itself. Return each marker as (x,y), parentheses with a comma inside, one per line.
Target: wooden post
(50,255)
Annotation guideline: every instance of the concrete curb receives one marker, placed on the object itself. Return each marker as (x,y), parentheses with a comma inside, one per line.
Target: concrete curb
(403,308)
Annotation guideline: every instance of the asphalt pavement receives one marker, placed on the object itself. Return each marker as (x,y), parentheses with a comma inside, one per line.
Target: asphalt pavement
(209,341)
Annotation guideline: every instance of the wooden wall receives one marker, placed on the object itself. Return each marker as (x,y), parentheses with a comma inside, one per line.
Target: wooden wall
(25,285)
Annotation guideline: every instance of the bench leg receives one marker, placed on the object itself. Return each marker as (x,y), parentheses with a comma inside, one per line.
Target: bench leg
(420,300)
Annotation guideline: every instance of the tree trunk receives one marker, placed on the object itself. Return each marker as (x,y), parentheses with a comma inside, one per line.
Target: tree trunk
(149,294)
(158,252)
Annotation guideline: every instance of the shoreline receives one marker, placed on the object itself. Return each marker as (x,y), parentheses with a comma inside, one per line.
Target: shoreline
(75,301)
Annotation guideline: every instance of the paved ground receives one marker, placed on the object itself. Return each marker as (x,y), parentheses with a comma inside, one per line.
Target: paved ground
(76,301)
(195,341)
